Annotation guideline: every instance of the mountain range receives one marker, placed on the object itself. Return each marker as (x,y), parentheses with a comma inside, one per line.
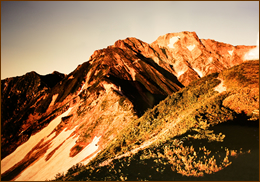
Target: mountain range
(134,103)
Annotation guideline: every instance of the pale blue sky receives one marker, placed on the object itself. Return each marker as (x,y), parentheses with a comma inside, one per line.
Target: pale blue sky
(47,36)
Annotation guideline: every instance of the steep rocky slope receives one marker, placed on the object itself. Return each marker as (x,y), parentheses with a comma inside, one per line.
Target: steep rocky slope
(197,133)
(65,119)
(104,94)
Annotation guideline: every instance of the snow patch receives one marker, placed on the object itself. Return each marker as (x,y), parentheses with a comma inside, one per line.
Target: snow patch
(42,169)
(191,47)
(230,52)
(180,73)
(173,40)
(54,97)
(81,88)
(156,59)
(199,72)
(26,147)
(221,87)
(210,59)
(109,87)
(91,148)
(253,54)
(60,161)
(133,73)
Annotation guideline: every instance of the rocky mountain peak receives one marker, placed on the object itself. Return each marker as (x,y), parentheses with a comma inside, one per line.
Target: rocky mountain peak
(101,97)
(192,58)
(181,39)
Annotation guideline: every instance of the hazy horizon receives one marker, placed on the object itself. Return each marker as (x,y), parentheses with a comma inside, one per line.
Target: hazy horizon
(47,36)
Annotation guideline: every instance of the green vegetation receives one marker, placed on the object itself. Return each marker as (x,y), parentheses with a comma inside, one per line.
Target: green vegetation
(243,75)
(172,111)
(242,82)
(104,104)
(195,133)
(186,157)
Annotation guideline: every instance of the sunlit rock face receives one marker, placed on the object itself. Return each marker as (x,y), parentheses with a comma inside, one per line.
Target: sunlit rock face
(75,116)
(185,52)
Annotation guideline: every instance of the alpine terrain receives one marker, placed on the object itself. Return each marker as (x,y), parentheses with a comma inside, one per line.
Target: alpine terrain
(180,108)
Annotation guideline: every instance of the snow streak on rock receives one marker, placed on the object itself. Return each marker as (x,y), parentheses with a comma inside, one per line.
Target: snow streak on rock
(54,97)
(191,47)
(61,161)
(173,40)
(57,157)
(199,72)
(253,54)
(23,149)
(42,169)
(180,73)
(81,88)
(230,52)
(221,87)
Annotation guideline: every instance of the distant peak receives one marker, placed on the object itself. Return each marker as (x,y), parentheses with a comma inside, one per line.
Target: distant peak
(169,39)
(55,72)
(32,73)
(181,34)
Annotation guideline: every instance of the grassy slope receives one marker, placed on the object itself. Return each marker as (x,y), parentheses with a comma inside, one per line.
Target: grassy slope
(196,132)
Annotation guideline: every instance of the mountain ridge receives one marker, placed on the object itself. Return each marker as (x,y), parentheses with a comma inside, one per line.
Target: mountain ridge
(107,93)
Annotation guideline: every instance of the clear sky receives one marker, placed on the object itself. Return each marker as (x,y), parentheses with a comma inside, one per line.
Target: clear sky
(44,36)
